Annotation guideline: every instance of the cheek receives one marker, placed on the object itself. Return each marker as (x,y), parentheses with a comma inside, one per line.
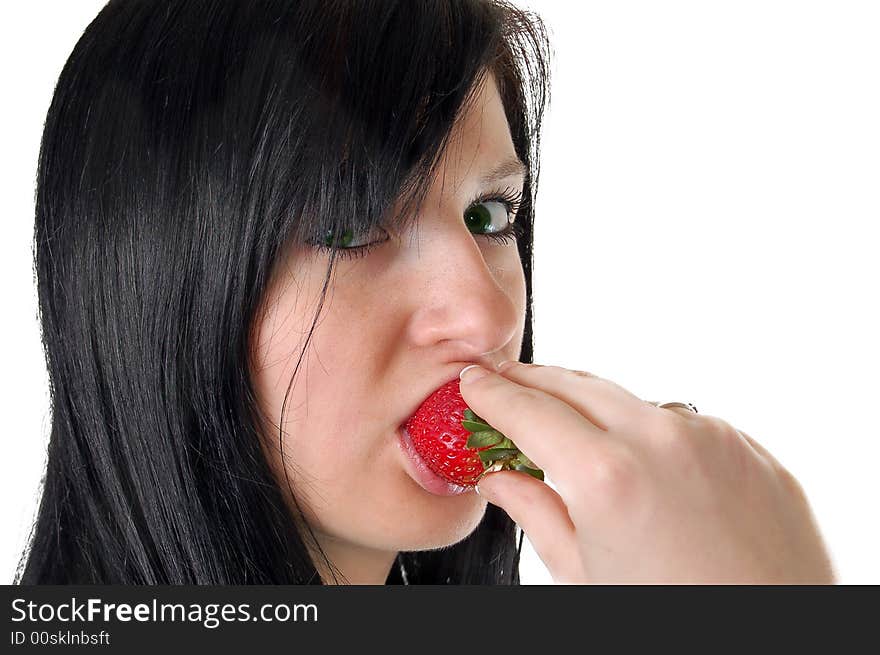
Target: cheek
(510,276)
(506,266)
(520,285)
(327,411)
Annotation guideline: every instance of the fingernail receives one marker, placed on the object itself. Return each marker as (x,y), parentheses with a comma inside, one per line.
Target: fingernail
(477,489)
(506,364)
(471,373)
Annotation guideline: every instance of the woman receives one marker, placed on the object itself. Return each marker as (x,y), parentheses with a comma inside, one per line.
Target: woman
(252,268)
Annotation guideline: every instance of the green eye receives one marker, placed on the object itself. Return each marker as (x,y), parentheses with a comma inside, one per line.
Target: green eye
(343,241)
(500,206)
(479,217)
(343,244)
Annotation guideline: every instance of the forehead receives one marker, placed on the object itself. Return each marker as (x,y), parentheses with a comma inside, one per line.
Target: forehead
(481,139)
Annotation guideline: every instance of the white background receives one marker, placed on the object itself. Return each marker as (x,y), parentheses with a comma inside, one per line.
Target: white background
(706,231)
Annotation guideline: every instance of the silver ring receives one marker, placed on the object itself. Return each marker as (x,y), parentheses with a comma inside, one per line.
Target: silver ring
(674,403)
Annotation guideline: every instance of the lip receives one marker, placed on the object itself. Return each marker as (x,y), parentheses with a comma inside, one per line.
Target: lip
(419,471)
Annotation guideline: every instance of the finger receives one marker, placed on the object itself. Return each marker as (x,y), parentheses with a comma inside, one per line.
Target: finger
(604,403)
(555,436)
(542,515)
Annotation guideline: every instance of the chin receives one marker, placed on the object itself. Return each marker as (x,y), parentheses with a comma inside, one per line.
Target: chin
(443,524)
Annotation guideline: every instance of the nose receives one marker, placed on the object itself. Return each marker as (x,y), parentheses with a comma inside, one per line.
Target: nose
(462,301)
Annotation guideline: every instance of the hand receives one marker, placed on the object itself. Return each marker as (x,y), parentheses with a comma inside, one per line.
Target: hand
(645,495)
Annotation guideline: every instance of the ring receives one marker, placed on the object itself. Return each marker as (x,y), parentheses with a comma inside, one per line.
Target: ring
(688,406)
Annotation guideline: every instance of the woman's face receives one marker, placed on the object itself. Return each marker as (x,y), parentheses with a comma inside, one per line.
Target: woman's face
(396,324)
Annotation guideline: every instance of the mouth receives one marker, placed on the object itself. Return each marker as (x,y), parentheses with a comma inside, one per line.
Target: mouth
(418,470)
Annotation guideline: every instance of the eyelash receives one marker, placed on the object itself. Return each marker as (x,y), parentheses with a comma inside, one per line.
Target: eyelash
(510,198)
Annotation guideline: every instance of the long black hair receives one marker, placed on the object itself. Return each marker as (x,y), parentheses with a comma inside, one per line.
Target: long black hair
(187,144)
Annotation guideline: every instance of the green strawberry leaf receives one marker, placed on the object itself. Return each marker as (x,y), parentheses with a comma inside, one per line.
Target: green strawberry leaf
(474,426)
(484,438)
(471,416)
(525,460)
(535,473)
(494,454)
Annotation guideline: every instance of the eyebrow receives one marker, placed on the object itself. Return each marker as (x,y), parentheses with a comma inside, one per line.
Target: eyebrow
(507,168)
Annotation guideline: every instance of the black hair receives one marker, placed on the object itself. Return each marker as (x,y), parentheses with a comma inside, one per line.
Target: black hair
(187,144)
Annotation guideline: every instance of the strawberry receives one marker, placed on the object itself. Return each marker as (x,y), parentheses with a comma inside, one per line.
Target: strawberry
(458,445)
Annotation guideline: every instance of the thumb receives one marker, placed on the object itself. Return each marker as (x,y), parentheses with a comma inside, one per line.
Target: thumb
(543,516)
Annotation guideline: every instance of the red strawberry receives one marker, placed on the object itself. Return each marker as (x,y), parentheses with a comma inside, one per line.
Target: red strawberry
(457,444)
